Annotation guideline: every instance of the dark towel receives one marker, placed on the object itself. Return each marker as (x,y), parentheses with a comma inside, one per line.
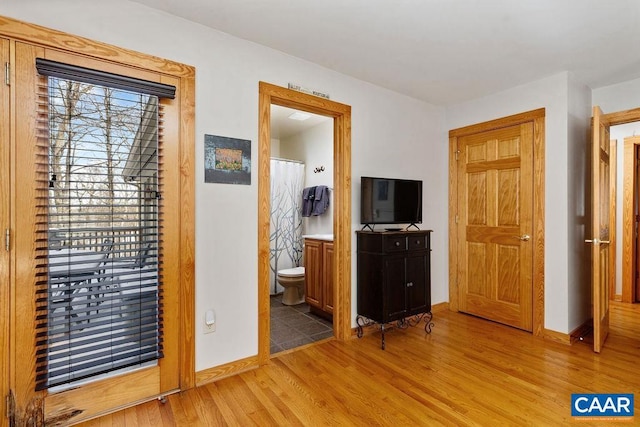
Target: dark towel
(308,194)
(321,200)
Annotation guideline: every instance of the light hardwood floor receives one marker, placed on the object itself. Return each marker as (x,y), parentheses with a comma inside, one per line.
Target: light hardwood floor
(467,372)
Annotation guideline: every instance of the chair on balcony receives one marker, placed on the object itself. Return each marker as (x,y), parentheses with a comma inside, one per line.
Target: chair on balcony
(120,275)
(139,261)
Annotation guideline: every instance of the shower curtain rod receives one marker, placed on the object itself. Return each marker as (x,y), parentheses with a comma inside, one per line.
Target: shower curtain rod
(287,160)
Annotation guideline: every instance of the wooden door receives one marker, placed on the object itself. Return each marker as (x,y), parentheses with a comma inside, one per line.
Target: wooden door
(601,224)
(82,400)
(313,272)
(495,224)
(4,227)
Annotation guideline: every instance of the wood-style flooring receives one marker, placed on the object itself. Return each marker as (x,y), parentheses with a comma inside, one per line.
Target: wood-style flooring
(467,372)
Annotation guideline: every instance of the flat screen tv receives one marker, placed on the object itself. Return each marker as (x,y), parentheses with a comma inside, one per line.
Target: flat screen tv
(390,201)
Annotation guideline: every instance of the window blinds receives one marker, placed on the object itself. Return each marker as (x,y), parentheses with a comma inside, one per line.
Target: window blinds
(98,293)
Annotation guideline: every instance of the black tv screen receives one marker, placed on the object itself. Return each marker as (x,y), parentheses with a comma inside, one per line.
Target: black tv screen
(390,201)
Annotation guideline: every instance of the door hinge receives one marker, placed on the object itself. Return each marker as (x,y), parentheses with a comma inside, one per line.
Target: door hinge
(7,240)
(457,154)
(456,219)
(7,74)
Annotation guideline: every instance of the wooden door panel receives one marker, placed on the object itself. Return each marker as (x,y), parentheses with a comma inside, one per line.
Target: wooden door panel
(601,224)
(477,198)
(313,272)
(497,171)
(508,272)
(508,213)
(477,263)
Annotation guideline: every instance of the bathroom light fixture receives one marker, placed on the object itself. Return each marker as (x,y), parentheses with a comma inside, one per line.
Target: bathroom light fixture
(299,116)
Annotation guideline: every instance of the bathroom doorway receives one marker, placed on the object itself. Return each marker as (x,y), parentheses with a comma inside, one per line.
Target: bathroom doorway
(339,270)
(301,230)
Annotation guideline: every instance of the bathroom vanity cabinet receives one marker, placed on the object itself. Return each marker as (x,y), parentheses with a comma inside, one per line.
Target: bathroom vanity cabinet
(318,261)
(394,278)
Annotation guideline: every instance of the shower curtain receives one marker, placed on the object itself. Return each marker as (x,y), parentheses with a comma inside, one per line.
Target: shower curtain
(287,181)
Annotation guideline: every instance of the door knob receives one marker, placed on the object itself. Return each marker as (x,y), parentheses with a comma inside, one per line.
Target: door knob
(524,237)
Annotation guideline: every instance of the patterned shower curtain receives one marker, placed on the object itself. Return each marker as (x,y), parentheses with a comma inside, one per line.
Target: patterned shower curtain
(287,182)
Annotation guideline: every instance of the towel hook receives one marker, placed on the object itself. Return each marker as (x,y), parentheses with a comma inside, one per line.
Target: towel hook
(318,169)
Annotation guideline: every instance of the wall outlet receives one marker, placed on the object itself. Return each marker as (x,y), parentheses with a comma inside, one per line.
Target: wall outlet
(209,322)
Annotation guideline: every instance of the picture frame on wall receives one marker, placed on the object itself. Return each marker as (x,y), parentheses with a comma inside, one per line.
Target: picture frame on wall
(227,160)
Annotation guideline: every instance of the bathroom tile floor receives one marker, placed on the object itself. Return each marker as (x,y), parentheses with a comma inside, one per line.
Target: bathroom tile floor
(293,325)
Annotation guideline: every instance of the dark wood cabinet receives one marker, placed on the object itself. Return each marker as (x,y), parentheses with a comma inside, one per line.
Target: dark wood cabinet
(394,277)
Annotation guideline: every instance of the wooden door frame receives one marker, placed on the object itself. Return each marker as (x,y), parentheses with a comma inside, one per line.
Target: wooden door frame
(537,117)
(271,94)
(183,139)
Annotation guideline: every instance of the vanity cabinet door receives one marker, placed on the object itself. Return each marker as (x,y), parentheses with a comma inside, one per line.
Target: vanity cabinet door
(313,273)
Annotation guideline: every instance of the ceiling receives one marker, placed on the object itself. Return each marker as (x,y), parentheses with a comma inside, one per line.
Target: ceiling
(441,51)
(283,127)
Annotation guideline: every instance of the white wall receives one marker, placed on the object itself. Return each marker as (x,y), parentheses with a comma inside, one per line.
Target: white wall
(392,135)
(619,97)
(552,94)
(579,172)
(314,147)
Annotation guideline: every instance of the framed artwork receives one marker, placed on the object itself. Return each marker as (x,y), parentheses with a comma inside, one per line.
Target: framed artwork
(227,160)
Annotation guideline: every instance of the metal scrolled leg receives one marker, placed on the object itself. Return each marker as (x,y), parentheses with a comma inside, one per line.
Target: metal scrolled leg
(361,322)
(402,323)
(428,323)
(382,330)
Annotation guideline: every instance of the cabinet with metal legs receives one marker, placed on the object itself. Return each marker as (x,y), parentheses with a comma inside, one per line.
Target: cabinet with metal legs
(394,279)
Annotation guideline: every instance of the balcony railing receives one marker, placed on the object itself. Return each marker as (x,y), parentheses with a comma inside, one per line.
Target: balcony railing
(127,241)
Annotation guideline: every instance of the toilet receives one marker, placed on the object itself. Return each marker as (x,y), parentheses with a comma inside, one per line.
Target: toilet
(292,280)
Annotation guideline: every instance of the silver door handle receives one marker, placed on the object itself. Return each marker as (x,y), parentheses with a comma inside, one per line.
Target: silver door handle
(597,241)
(524,237)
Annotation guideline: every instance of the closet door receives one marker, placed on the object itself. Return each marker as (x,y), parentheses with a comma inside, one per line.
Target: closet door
(83,397)
(4,227)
